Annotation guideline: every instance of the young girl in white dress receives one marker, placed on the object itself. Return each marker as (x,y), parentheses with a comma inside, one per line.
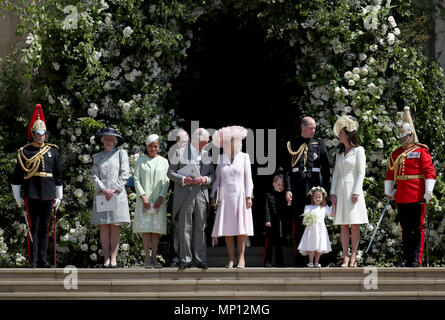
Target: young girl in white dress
(315,239)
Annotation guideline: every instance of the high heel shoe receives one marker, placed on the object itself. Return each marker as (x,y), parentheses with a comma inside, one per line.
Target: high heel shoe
(345,263)
(156,264)
(352,263)
(229,265)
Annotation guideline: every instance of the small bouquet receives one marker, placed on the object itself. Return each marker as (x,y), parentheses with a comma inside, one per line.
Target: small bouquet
(309,218)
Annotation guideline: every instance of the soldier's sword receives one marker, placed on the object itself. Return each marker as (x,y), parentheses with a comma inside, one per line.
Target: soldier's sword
(378,225)
(27,224)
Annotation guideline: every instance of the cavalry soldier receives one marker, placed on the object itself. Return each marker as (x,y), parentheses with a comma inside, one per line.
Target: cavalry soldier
(306,166)
(39,171)
(411,167)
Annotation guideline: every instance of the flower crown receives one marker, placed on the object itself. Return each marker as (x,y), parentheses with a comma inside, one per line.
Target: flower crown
(321,189)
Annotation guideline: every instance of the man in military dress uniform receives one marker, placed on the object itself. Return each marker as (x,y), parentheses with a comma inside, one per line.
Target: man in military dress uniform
(306,165)
(38,171)
(411,167)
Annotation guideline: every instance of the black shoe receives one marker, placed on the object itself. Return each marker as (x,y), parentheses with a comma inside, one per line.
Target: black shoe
(113,266)
(33,265)
(415,265)
(185,265)
(404,264)
(44,264)
(202,265)
(267,265)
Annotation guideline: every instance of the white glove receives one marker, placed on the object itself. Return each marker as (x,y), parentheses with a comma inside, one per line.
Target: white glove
(16,188)
(429,186)
(389,188)
(59,196)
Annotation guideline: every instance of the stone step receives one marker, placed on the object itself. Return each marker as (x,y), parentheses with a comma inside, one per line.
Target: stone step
(221,273)
(221,283)
(158,286)
(232,295)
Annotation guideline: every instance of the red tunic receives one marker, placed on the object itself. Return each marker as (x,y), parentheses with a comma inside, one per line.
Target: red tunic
(415,165)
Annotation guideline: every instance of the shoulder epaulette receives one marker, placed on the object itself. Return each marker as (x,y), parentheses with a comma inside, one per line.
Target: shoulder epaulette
(422,145)
(25,146)
(53,145)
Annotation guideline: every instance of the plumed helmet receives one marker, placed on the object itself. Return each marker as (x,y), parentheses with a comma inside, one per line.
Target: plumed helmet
(407,126)
(37,123)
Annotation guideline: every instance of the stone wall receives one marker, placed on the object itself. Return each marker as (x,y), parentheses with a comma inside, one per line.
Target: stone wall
(8,28)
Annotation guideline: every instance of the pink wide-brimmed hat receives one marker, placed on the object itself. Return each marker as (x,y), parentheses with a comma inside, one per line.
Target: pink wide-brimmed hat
(227,134)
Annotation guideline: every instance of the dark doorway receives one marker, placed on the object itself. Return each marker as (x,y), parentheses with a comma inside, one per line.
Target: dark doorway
(234,76)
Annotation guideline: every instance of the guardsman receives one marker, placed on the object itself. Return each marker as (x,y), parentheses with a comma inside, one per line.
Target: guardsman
(410,166)
(306,165)
(39,172)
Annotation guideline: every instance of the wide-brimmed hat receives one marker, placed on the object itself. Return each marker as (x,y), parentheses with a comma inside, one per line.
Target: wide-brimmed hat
(226,134)
(108,132)
(345,122)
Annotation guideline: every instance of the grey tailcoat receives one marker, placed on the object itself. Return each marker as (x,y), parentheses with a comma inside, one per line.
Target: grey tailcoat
(183,194)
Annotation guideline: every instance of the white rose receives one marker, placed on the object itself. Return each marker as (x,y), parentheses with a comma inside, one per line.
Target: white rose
(79,178)
(125,246)
(127,32)
(93,256)
(373,47)
(356,77)
(337,90)
(396,31)
(56,66)
(371,86)
(73,138)
(72,231)
(92,140)
(379,143)
(384,28)
(371,60)
(78,132)
(392,22)
(94,247)
(348,74)
(78,193)
(84,247)
(356,70)
(348,109)
(351,82)
(345,91)
(391,38)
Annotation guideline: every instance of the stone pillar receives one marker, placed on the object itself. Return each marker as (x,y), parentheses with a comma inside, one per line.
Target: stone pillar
(8,29)
(439,45)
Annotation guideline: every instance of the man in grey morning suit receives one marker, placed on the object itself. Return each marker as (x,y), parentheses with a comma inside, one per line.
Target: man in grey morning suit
(191,199)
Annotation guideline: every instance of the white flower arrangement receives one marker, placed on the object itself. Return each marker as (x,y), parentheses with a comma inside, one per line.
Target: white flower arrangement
(309,218)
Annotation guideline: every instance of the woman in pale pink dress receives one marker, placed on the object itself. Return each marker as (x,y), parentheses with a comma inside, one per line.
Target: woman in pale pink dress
(233,188)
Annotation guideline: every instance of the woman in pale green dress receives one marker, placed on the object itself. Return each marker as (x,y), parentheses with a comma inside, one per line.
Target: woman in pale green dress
(151,184)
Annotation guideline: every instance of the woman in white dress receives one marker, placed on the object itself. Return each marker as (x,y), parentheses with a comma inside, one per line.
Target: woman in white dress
(234,188)
(347,187)
(110,173)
